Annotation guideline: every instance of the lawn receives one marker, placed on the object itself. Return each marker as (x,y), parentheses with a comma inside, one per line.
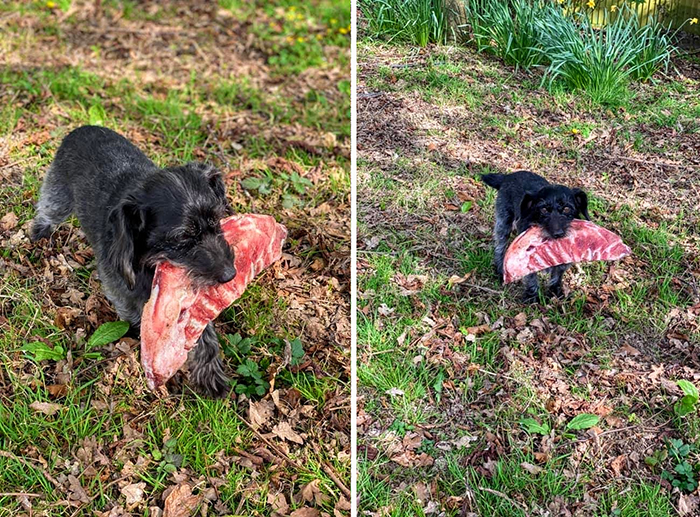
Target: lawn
(471,403)
(262,91)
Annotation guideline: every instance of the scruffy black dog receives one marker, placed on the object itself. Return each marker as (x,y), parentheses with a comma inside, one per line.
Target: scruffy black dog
(526,199)
(136,214)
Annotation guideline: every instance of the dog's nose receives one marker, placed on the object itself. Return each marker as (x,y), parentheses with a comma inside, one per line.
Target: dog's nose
(559,234)
(227,275)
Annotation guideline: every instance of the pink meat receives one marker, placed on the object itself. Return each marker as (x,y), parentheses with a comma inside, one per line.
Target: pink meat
(176,314)
(585,242)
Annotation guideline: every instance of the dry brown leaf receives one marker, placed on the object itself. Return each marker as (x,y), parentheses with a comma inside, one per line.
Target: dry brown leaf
(687,505)
(422,492)
(259,413)
(181,502)
(8,222)
(454,279)
(279,503)
(311,493)
(47,408)
(133,493)
(628,350)
(284,430)
(532,469)
(305,512)
(411,459)
(520,320)
(478,330)
(618,464)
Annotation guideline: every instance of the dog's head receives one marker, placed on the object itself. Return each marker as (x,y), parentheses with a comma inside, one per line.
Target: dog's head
(175,216)
(553,208)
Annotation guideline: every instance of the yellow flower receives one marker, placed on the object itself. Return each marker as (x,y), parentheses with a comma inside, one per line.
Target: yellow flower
(613,8)
(575,131)
(319,36)
(693,21)
(560,1)
(290,39)
(333,21)
(50,4)
(591,4)
(301,40)
(293,8)
(343,30)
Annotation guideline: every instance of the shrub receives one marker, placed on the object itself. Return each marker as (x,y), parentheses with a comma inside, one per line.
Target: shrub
(417,21)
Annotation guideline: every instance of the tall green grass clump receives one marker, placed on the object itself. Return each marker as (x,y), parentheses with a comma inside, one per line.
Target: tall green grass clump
(415,21)
(507,28)
(656,48)
(601,61)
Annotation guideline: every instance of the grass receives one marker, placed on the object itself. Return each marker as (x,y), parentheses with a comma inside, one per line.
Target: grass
(416,21)
(275,109)
(450,363)
(599,62)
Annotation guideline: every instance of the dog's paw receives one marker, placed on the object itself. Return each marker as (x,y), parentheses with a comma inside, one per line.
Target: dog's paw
(39,231)
(556,291)
(530,297)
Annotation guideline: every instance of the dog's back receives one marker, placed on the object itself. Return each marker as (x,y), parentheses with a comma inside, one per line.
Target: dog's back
(520,180)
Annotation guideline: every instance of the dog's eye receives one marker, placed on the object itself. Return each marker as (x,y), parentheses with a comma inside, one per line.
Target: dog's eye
(567,210)
(544,210)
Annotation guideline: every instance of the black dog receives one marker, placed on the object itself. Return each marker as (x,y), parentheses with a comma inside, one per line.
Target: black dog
(526,199)
(136,214)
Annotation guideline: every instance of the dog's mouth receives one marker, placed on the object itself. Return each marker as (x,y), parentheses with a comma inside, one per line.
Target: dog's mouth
(549,235)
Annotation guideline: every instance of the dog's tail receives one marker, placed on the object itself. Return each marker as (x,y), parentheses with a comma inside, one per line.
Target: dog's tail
(493,180)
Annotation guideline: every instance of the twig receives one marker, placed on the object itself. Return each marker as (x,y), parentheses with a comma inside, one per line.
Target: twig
(494,374)
(19,494)
(10,165)
(26,463)
(487,289)
(336,479)
(102,491)
(504,496)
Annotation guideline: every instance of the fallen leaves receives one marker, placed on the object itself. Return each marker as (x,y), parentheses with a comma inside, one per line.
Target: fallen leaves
(284,430)
(180,502)
(8,222)
(46,408)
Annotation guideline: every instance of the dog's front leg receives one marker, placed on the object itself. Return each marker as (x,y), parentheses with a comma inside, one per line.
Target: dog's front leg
(206,367)
(532,287)
(554,285)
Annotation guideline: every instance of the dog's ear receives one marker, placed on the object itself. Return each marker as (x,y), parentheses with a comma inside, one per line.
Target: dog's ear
(581,200)
(526,205)
(127,220)
(216,182)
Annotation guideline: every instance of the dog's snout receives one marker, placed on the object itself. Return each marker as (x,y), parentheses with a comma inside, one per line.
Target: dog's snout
(227,274)
(558,234)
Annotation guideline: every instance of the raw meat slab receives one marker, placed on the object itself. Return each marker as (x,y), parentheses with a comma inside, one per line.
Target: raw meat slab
(585,242)
(176,314)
